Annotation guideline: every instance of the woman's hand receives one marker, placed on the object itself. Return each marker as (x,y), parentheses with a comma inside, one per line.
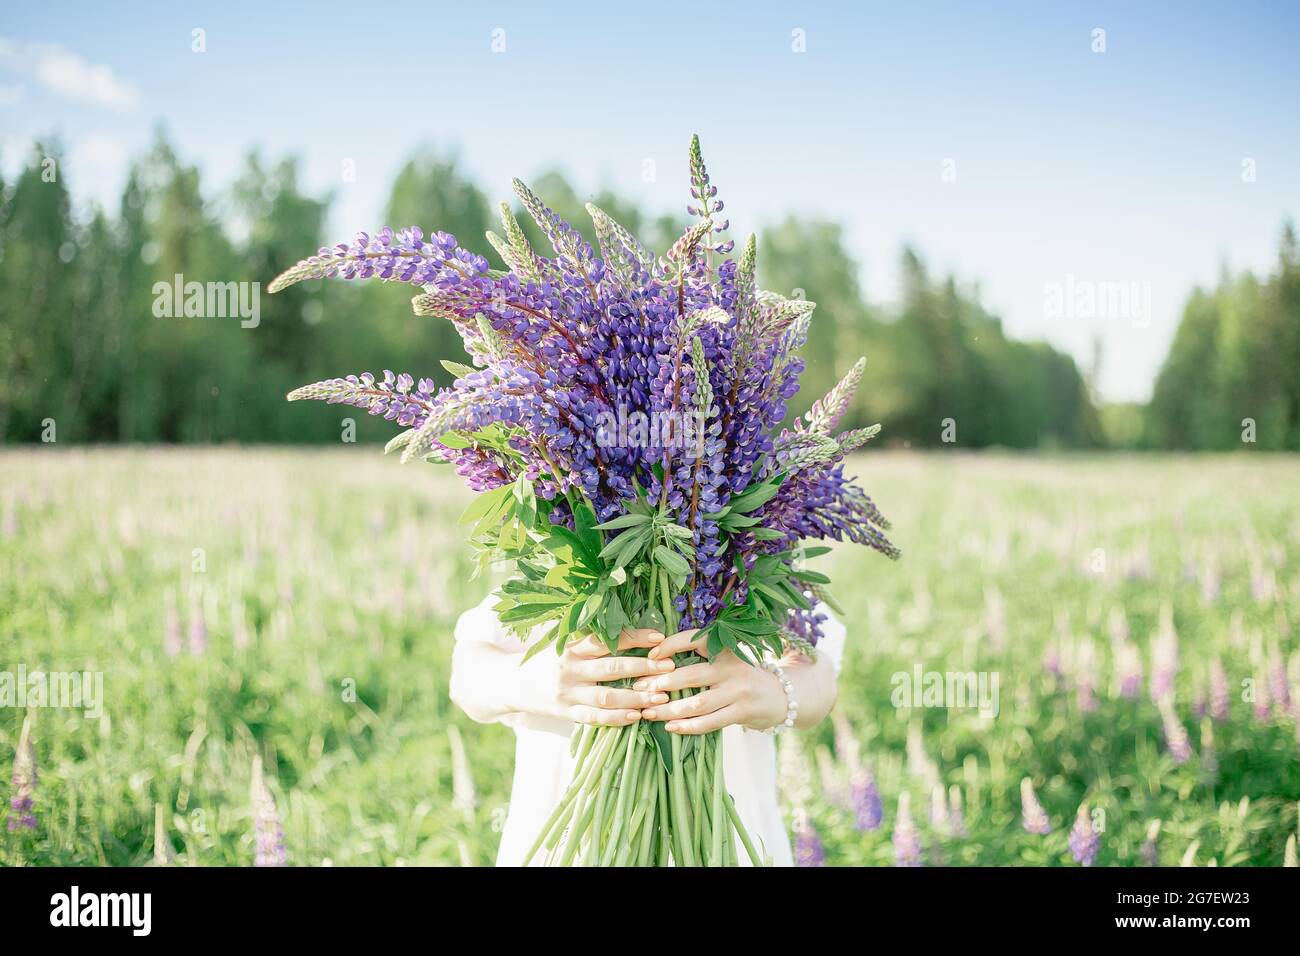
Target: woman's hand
(738,693)
(587,665)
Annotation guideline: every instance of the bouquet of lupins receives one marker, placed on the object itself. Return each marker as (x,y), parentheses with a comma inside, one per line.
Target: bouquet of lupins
(621,422)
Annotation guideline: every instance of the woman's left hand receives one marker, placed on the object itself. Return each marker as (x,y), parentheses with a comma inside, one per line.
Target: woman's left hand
(737,692)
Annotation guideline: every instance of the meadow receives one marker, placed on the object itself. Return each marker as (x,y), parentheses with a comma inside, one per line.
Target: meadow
(1137,615)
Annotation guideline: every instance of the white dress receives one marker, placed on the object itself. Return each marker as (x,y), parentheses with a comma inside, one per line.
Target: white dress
(543,765)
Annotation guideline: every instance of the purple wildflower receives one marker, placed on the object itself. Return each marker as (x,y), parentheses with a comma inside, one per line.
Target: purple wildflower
(1220,699)
(1279,684)
(956,815)
(1084,840)
(807,843)
(1128,670)
(908,850)
(268,833)
(172,638)
(1032,815)
(1176,737)
(865,798)
(198,631)
(24,781)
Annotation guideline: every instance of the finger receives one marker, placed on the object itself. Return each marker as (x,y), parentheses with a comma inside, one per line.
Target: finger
(692,675)
(616,668)
(588,648)
(708,723)
(639,637)
(614,698)
(681,641)
(697,705)
(582,714)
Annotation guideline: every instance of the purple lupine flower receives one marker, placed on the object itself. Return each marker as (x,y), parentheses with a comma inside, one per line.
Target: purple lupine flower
(1032,815)
(1176,738)
(1084,686)
(198,631)
(1128,670)
(1200,707)
(268,833)
(1052,661)
(1279,684)
(807,843)
(1220,698)
(865,797)
(1084,840)
(908,850)
(1164,653)
(566,347)
(24,781)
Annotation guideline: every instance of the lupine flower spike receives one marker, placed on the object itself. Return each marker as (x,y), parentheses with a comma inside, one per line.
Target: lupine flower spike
(807,843)
(24,781)
(1150,851)
(1032,815)
(1084,840)
(267,831)
(865,797)
(1176,738)
(908,850)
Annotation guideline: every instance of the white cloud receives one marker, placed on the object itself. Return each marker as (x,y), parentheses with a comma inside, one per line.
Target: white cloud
(68,74)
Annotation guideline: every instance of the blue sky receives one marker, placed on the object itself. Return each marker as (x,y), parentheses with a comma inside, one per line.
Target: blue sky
(992,136)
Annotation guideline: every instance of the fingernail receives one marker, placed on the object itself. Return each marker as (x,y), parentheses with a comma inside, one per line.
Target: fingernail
(634,715)
(641,685)
(660,698)
(656,636)
(648,714)
(664,665)
(671,728)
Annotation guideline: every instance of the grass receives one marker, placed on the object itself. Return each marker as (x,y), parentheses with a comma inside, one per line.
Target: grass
(298,605)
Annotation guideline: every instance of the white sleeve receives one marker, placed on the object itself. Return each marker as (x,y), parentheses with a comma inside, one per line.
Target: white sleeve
(833,638)
(481,624)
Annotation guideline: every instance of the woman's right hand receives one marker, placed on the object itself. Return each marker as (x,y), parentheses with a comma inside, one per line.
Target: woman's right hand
(586,666)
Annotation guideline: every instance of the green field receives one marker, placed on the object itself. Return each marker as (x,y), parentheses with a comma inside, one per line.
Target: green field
(297,605)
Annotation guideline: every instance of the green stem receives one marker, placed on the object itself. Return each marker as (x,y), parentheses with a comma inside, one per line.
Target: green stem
(681,818)
(754,857)
(720,824)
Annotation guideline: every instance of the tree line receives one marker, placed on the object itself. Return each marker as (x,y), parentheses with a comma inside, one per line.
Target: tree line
(96,344)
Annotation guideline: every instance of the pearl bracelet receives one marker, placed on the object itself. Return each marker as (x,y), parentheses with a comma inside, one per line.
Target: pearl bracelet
(791,705)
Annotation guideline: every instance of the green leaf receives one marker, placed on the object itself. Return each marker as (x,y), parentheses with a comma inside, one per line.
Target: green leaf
(671,562)
(457,369)
(663,743)
(754,496)
(484,504)
(623,521)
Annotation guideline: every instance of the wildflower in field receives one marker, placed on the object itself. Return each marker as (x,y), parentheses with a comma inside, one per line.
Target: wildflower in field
(1279,683)
(1149,852)
(1084,840)
(908,850)
(834,788)
(808,849)
(919,763)
(267,830)
(865,797)
(198,630)
(1052,661)
(1219,694)
(24,781)
(1199,706)
(1032,815)
(1164,651)
(1210,582)
(1128,670)
(1180,745)
(956,815)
